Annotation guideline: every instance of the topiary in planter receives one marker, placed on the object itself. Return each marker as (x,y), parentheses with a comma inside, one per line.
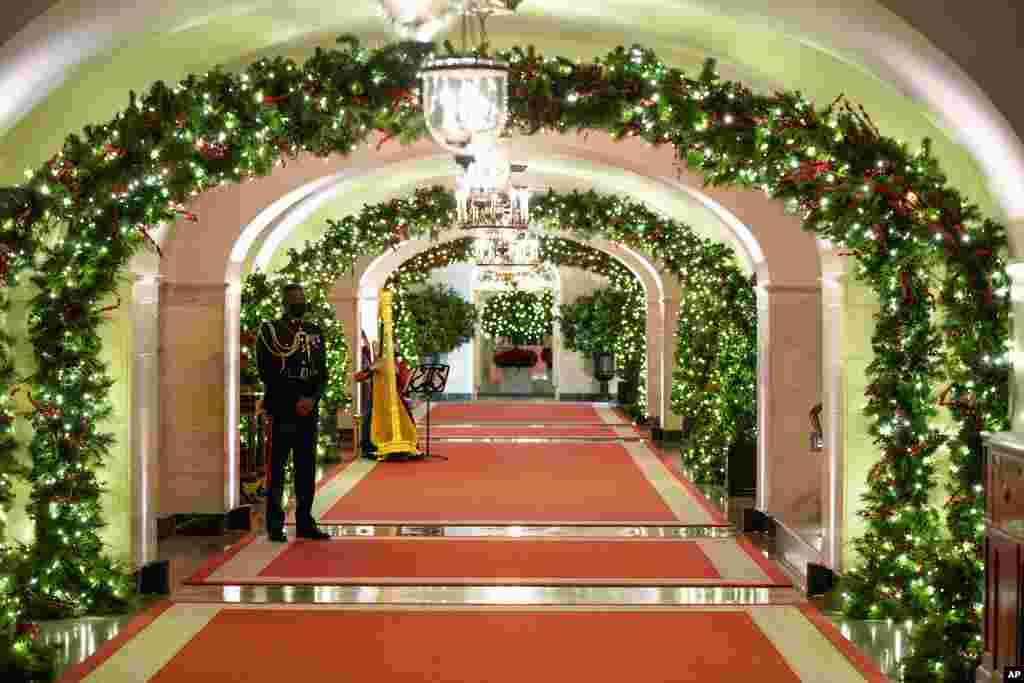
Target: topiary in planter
(519,316)
(443,321)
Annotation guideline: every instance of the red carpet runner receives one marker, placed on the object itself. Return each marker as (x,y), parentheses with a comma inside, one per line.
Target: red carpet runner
(485,411)
(511,482)
(523,431)
(497,647)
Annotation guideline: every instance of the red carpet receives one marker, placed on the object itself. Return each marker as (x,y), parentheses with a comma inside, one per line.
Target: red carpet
(487,411)
(507,482)
(428,559)
(498,647)
(548,431)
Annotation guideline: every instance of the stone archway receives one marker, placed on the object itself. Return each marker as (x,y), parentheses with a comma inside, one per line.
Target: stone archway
(354,292)
(199,291)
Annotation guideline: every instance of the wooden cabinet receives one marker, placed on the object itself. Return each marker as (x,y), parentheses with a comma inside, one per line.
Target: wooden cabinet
(1004,554)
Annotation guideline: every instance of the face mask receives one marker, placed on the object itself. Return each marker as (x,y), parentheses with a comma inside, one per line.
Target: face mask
(296,310)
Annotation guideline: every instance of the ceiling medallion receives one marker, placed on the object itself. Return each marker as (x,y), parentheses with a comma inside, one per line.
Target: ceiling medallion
(418,20)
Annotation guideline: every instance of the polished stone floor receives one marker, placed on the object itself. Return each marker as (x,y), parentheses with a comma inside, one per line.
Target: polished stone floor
(79,638)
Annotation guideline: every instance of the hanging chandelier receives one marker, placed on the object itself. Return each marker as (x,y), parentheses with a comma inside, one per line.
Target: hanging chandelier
(485,197)
(465,95)
(504,253)
(505,209)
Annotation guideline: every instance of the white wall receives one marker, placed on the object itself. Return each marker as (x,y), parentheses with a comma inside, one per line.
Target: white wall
(458,276)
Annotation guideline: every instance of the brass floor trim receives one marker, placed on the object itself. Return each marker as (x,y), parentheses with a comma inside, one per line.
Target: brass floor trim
(453,596)
(532,530)
(696,523)
(533,439)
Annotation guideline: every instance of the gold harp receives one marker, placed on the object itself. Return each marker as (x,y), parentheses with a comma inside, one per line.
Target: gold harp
(391,429)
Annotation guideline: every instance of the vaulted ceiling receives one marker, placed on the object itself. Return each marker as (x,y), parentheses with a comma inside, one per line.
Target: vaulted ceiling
(66,64)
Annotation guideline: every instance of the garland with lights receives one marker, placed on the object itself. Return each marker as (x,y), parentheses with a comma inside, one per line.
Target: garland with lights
(518,316)
(715,387)
(910,232)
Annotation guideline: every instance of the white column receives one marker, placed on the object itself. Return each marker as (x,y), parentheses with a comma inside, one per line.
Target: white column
(1016,272)
(655,344)
(789,474)
(833,369)
(145,417)
(667,338)
(232,384)
(346,308)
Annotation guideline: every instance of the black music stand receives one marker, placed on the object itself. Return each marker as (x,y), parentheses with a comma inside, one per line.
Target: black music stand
(427,380)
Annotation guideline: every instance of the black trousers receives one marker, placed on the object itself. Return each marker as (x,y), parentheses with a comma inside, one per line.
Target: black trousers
(295,436)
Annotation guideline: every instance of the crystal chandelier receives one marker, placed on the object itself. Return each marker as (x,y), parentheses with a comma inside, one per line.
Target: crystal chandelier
(504,253)
(485,197)
(465,96)
(501,209)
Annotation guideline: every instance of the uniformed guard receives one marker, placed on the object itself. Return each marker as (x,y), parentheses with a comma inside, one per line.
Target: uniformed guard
(292,362)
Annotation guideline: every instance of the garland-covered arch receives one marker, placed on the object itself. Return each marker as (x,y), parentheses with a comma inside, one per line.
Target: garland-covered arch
(704,391)
(917,242)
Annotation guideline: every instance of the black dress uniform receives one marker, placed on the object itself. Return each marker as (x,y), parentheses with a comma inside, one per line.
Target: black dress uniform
(286,380)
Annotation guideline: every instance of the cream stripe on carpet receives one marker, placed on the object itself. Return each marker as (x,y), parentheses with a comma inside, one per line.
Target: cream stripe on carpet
(340,485)
(610,417)
(683,505)
(813,657)
(145,654)
(731,561)
(249,561)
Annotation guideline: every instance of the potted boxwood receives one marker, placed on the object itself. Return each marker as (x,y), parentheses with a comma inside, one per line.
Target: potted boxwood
(593,324)
(442,320)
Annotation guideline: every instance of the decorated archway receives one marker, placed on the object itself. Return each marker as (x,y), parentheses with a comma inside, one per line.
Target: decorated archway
(699,265)
(916,241)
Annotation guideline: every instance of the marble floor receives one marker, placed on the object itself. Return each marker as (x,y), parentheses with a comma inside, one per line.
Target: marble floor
(77,639)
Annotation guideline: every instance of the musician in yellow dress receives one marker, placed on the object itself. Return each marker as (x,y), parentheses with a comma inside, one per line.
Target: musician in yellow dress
(392,429)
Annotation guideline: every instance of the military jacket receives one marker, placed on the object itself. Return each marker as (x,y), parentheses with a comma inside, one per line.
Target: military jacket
(300,375)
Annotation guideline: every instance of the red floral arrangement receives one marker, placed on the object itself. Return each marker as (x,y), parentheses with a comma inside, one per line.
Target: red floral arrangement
(515,358)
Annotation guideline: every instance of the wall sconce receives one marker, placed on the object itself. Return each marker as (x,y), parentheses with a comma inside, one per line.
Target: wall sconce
(817,433)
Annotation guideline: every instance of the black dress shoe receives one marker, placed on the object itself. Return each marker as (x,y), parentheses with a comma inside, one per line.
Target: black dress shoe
(313,534)
(277,536)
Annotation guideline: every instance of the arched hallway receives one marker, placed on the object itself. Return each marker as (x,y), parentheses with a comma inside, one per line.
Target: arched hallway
(858,165)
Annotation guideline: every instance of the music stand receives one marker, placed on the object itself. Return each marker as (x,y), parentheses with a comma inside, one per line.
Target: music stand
(427,380)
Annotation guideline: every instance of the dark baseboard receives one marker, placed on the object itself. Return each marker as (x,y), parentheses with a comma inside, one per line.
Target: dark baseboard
(660,435)
(200,524)
(512,395)
(451,397)
(240,519)
(593,397)
(154,578)
(820,579)
(755,520)
(165,527)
